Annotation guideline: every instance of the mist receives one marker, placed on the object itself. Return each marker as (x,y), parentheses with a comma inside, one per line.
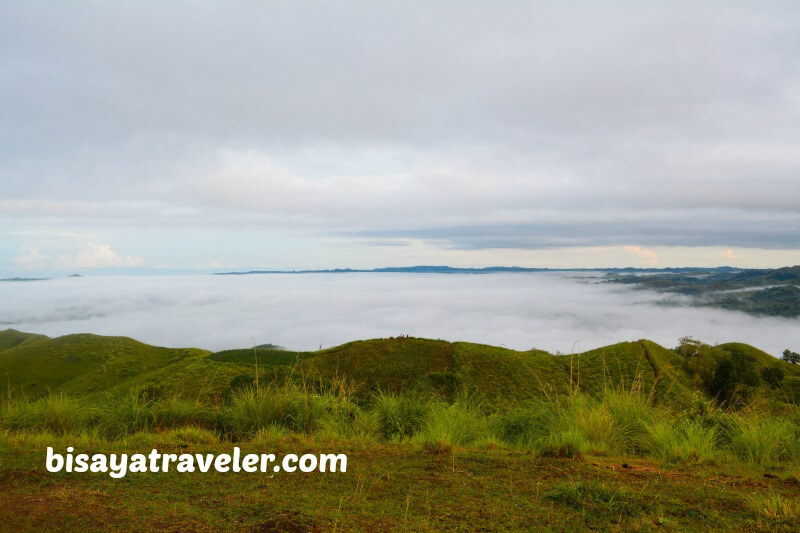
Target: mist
(558,312)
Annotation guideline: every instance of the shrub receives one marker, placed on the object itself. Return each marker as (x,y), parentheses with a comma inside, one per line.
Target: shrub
(733,381)
(772,376)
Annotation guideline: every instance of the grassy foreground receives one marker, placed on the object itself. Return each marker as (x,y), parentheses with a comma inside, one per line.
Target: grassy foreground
(438,435)
(394,486)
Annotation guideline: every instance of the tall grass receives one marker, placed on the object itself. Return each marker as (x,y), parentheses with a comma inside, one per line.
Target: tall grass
(56,413)
(458,424)
(681,441)
(400,417)
(617,421)
(763,441)
(774,506)
(286,406)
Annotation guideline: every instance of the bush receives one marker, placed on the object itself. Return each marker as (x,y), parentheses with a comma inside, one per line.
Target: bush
(772,376)
(734,380)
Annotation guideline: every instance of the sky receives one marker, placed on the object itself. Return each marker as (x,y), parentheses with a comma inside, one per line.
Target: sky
(183,136)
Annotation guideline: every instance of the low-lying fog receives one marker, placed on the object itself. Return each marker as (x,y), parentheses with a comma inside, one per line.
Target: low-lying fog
(551,311)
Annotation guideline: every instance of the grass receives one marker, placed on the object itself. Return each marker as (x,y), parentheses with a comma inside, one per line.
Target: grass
(388,486)
(764,442)
(440,436)
(400,417)
(56,413)
(596,497)
(774,506)
(90,365)
(684,441)
(617,423)
(447,425)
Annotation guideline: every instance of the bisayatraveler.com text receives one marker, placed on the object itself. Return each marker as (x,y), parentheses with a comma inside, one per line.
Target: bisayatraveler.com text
(118,465)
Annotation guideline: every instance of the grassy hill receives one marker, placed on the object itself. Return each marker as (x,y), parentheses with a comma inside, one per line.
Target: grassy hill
(87,365)
(83,363)
(11,338)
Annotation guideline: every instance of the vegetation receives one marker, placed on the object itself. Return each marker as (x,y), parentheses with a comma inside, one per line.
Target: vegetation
(791,357)
(773,292)
(440,435)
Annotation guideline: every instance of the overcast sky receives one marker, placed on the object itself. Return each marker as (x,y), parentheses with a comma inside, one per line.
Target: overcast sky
(326,134)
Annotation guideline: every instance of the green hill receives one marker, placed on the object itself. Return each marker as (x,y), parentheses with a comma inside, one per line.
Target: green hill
(11,338)
(85,365)
(499,375)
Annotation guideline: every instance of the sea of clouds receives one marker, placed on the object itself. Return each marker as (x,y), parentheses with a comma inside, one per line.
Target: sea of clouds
(564,311)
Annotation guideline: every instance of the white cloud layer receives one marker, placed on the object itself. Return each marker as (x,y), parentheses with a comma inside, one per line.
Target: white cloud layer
(551,311)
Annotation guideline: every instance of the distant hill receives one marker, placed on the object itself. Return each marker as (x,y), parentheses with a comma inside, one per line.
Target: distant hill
(87,365)
(443,269)
(773,292)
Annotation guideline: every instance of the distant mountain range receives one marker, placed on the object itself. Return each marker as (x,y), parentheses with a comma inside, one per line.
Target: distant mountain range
(433,269)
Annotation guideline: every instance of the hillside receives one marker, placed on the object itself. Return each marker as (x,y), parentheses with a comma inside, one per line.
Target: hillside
(773,292)
(86,365)
(11,338)
(83,363)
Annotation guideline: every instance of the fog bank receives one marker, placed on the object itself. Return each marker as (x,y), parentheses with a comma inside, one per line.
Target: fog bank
(551,311)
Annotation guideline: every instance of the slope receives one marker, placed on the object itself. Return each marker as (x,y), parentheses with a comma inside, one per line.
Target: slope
(83,363)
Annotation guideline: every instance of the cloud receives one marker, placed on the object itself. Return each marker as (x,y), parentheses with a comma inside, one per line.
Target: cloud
(729,254)
(550,311)
(526,125)
(97,256)
(648,256)
(31,258)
